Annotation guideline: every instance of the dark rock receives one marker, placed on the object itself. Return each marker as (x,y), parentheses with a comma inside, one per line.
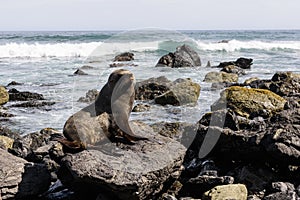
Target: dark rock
(4,96)
(122,65)
(13,83)
(6,115)
(243,63)
(20,179)
(166,60)
(285,84)
(184,56)
(281,195)
(15,95)
(195,187)
(173,130)
(9,133)
(282,187)
(127,56)
(89,96)
(141,108)
(224,41)
(33,104)
(151,88)
(79,72)
(133,172)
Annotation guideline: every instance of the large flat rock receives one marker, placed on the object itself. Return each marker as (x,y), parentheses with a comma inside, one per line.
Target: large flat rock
(126,171)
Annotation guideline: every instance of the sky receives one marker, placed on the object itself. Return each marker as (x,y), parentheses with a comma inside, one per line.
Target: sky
(53,15)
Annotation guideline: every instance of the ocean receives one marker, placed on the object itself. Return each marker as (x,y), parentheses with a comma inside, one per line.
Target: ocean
(45,62)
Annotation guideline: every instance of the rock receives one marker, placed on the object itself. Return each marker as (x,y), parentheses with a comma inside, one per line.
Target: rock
(182,92)
(208,64)
(87,67)
(256,178)
(4,96)
(15,95)
(195,187)
(281,195)
(26,146)
(222,85)
(232,191)
(184,56)
(6,142)
(233,69)
(141,108)
(283,187)
(250,102)
(79,72)
(129,172)
(127,56)
(215,77)
(9,133)
(20,179)
(244,63)
(33,104)
(166,60)
(89,96)
(151,88)
(122,65)
(285,84)
(250,80)
(6,115)
(13,83)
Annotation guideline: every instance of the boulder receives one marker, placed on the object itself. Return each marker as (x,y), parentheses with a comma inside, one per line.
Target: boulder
(182,92)
(124,171)
(250,102)
(151,88)
(13,83)
(122,65)
(34,104)
(4,96)
(231,191)
(141,108)
(6,142)
(243,63)
(89,96)
(216,77)
(127,56)
(285,84)
(79,72)
(184,56)
(15,95)
(233,69)
(20,179)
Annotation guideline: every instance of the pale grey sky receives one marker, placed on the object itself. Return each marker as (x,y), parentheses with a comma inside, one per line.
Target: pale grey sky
(136,14)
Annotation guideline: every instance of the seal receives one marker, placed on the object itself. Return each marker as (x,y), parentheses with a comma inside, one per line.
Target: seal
(106,118)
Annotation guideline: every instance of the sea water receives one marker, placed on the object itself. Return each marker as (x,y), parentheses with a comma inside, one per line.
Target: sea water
(45,62)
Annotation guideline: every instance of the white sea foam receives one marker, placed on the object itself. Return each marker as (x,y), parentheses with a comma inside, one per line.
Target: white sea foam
(236,45)
(37,50)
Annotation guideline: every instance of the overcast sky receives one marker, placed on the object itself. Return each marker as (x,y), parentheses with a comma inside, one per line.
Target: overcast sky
(136,14)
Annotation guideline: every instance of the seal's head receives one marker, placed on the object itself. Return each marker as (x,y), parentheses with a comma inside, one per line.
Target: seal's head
(116,75)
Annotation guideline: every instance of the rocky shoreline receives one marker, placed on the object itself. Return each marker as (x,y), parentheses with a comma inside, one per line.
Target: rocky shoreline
(247,147)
